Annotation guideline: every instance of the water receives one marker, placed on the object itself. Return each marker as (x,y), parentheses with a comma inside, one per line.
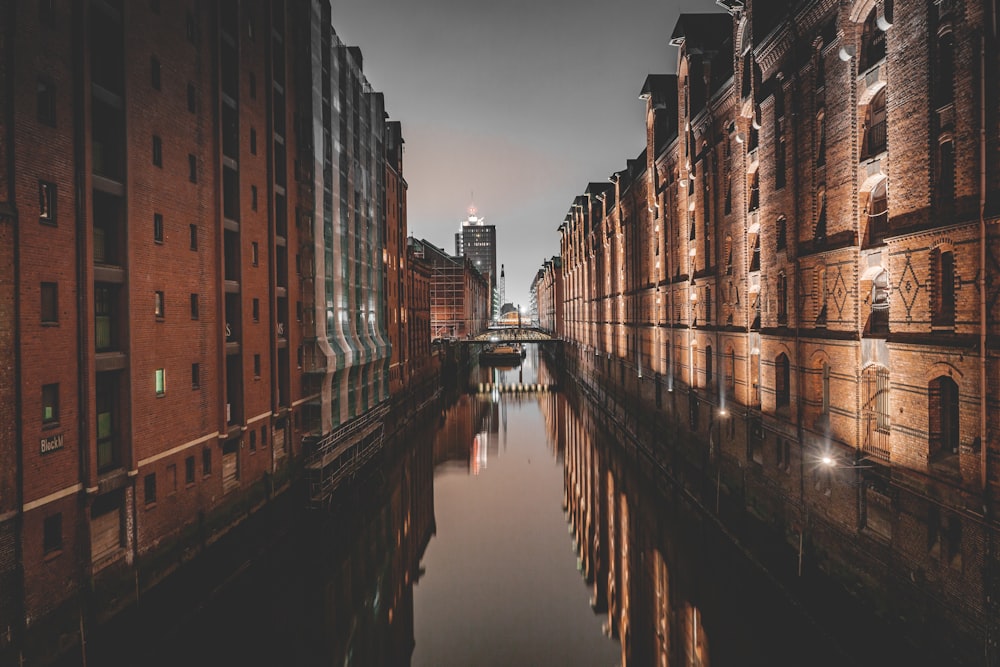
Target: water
(509,532)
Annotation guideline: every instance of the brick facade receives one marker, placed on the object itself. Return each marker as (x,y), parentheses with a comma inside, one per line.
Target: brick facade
(797,260)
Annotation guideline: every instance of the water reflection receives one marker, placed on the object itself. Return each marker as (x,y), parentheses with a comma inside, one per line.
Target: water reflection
(456,552)
(673,591)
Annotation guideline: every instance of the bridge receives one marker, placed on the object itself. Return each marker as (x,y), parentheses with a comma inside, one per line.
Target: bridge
(511,335)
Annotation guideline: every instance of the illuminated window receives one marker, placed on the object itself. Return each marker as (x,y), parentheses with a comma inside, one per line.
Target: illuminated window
(47,202)
(50,404)
(159,305)
(160,380)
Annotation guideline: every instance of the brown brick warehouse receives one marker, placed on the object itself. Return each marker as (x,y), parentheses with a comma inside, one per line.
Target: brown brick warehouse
(802,270)
(205,272)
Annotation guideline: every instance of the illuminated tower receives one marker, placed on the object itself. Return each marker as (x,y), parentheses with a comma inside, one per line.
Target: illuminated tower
(478,241)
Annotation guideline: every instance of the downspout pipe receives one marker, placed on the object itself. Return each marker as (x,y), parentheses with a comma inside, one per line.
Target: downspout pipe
(983,324)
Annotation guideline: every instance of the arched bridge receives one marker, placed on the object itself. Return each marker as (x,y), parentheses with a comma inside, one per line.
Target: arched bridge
(511,335)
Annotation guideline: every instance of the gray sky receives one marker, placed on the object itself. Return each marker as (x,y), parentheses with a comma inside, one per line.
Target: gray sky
(513,105)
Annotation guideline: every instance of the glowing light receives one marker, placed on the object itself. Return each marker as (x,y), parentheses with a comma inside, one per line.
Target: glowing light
(827,460)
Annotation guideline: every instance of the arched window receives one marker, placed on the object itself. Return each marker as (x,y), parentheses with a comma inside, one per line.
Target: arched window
(872,43)
(875,411)
(754,185)
(875,126)
(942,416)
(879,319)
(945,186)
(781,233)
(825,390)
(782,382)
(821,138)
(708,366)
(782,298)
(943,296)
(878,213)
(944,82)
(819,233)
(731,370)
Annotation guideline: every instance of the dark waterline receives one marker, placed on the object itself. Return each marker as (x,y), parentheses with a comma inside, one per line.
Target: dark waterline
(506,533)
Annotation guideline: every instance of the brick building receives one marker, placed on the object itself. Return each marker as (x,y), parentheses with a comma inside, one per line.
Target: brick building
(800,270)
(459,294)
(547,294)
(182,306)
(396,258)
(423,363)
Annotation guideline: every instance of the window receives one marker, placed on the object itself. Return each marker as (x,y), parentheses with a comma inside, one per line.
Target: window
(192,96)
(206,462)
(256,366)
(154,72)
(255,308)
(824,406)
(879,318)
(192,168)
(782,390)
(195,376)
(253,141)
(149,489)
(872,43)
(731,370)
(875,411)
(194,306)
(160,380)
(875,127)
(754,193)
(158,227)
(819,233)
(46,101)
(729,195)
(47,202)
(253,197)
(942,415)
(945,186)
(172,479)
(190,28)
(781,233)
(189,470)
(253,86)
(253,441)
(782,298)
(878,213)
(159,305)
(779,164)
(254,253)
(52,538)
(943,313)
(194,237)
(709,374)
(944,89)
(157,151)
(263,436)
(783,452)
(50,303)
(50,404)
(820,138)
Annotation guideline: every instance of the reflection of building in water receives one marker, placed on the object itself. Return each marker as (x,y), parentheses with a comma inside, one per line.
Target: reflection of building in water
(369,567)
(622,553)
(455,439)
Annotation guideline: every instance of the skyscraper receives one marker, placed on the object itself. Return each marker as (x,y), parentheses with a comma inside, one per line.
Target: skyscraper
(478,241)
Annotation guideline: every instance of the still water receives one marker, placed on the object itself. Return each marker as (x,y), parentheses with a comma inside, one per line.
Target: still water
(506,532)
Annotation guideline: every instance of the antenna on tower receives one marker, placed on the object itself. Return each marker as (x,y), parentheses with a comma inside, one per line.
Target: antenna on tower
(503,288)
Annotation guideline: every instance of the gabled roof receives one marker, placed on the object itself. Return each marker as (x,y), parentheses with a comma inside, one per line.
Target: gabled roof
(702,33)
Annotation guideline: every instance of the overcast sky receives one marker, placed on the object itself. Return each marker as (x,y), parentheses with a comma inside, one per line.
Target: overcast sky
(512,105)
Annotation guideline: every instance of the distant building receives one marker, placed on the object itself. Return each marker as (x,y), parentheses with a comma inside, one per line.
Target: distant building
(459,293)
(478,242)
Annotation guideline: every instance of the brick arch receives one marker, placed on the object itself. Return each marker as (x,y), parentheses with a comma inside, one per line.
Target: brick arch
(943,369)
(861,9)
(817,358)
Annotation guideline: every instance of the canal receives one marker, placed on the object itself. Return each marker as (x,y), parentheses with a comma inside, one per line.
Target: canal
(506,531)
